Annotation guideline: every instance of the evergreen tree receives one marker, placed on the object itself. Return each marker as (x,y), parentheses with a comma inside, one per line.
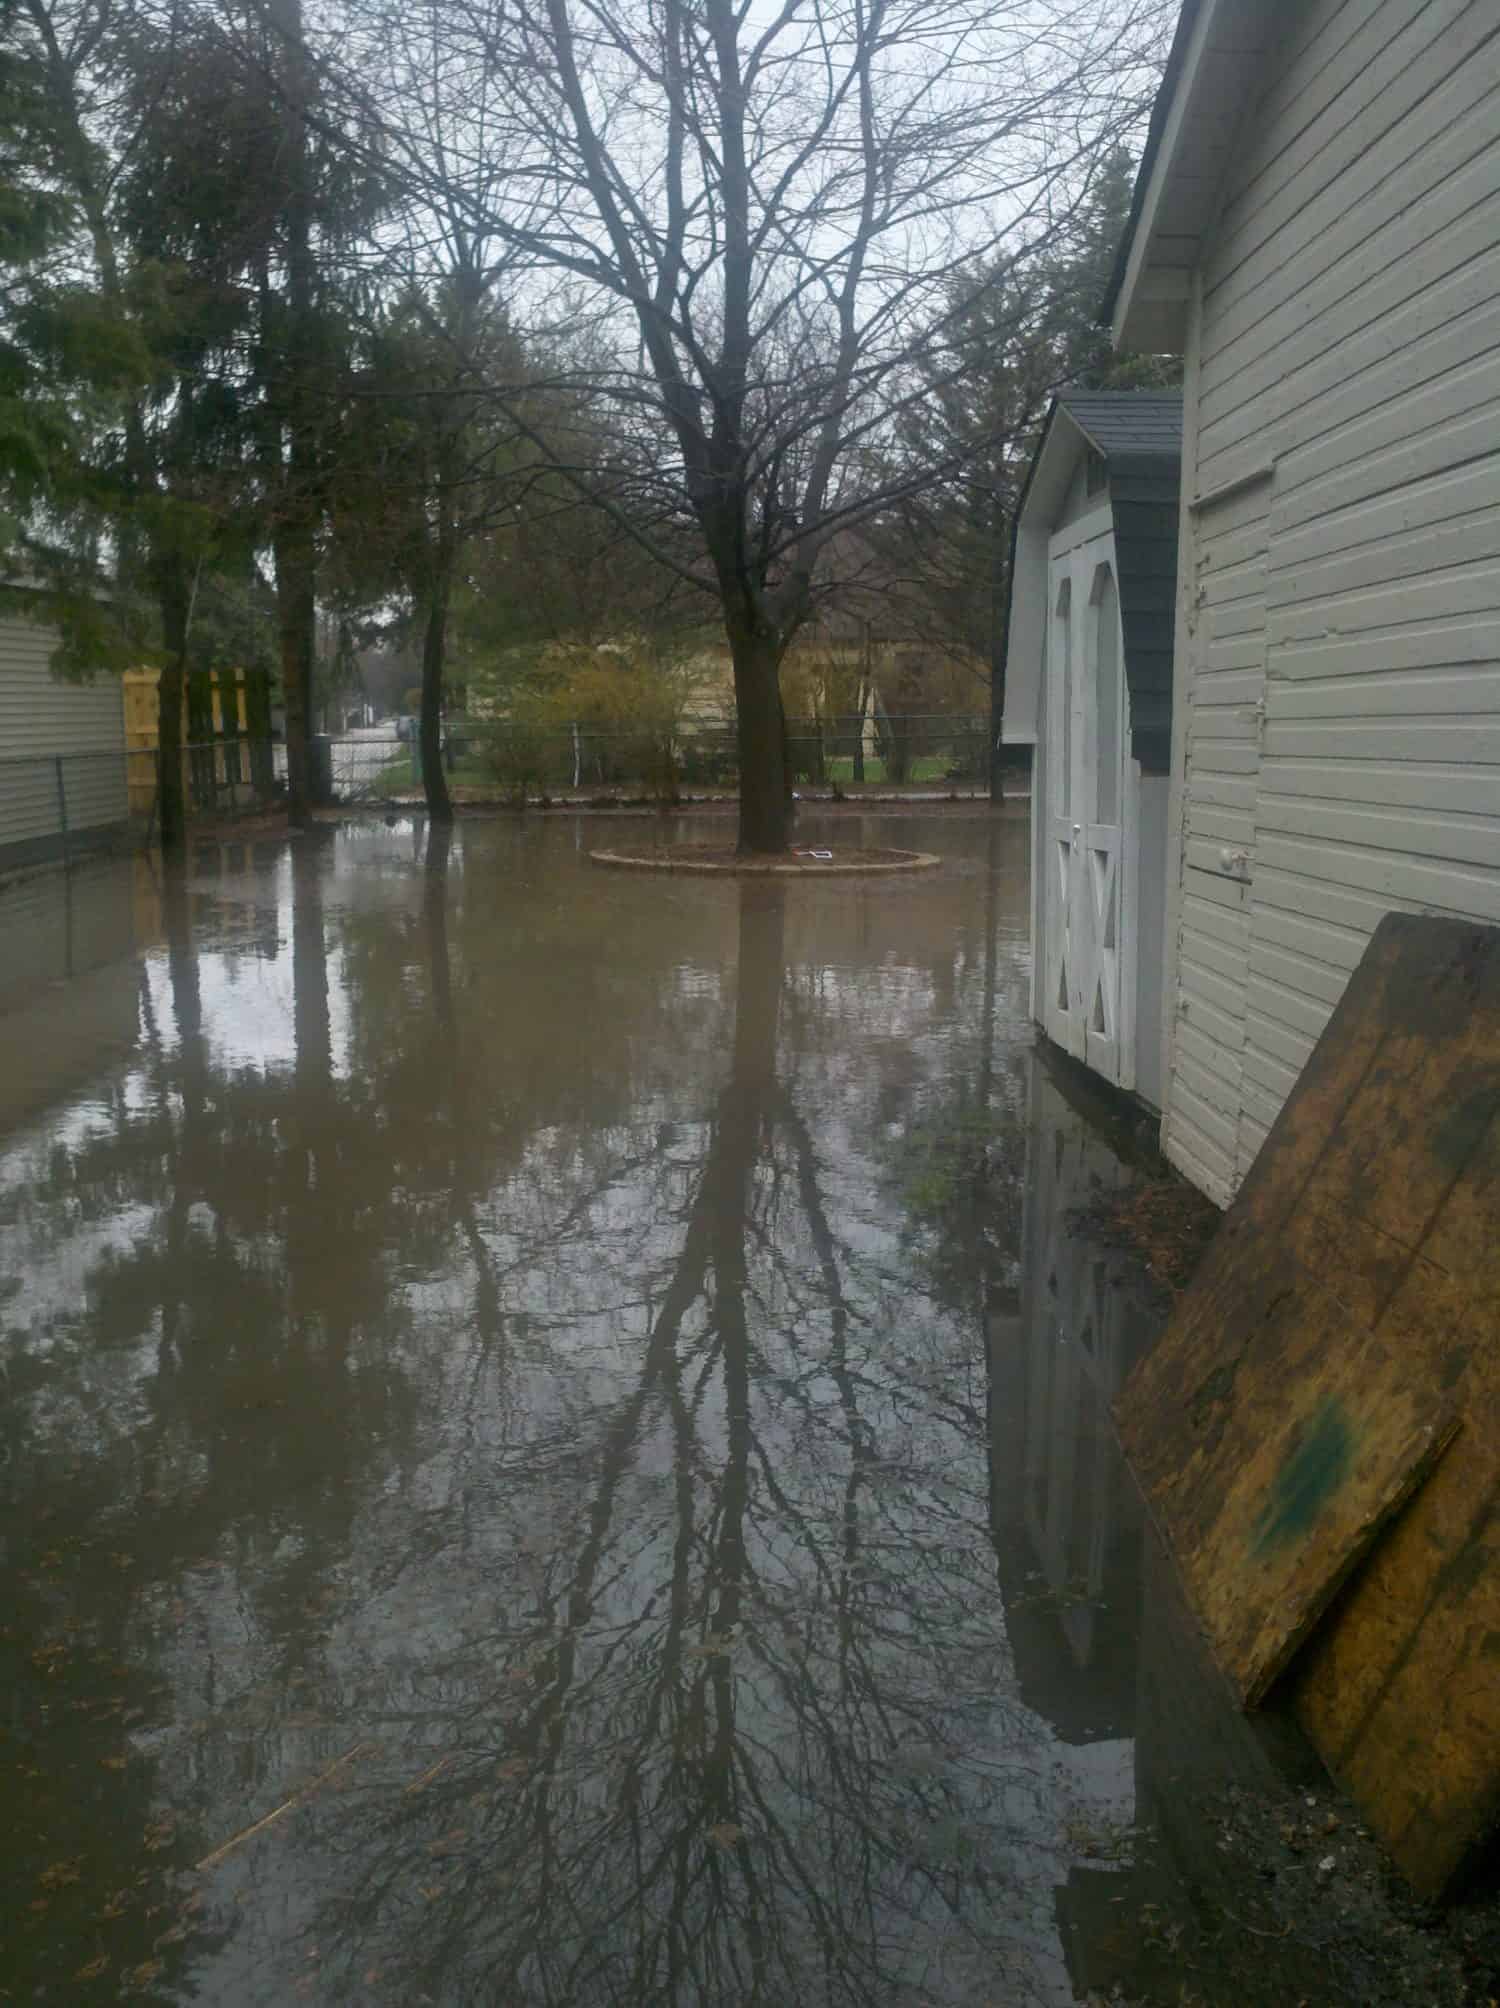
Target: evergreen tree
(428,464)
(1003,349)
(36,221)
(173,351)
(121,364)
(247,174)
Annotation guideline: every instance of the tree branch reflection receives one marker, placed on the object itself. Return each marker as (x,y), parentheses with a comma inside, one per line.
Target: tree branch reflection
(715,1741)
(579,1422)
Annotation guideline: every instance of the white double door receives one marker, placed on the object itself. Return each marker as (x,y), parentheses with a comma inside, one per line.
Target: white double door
(1085,996)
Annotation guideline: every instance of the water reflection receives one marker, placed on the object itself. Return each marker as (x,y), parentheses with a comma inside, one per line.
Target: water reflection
(1068,1519)
(1103,1643)
(593,1377)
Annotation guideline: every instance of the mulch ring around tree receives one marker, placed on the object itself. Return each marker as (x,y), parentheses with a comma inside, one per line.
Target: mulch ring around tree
(802,861)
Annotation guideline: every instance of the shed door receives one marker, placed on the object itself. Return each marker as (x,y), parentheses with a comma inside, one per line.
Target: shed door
(1206,1130)
(1086,737)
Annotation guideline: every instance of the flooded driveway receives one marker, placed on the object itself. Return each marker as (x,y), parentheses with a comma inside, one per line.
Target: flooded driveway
(555,1443)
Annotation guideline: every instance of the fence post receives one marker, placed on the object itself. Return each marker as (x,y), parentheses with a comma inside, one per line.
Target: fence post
(62,806)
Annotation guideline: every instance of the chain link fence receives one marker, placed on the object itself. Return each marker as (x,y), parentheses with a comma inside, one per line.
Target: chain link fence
(63,805)
(66,804)
(500,758)
(223,780)
(373,764)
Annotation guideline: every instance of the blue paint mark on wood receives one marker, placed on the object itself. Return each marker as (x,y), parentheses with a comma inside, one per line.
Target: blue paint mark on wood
(1314,1469)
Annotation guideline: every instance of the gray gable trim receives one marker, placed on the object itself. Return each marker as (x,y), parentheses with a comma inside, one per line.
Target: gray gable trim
(1041,495)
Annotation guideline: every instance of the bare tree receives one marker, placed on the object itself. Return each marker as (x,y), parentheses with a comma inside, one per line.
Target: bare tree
(761,210)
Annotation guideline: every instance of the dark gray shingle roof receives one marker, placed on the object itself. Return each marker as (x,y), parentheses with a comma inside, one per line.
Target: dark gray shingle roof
(1128,421)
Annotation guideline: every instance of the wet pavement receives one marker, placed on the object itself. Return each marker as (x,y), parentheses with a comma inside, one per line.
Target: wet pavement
(555,1445)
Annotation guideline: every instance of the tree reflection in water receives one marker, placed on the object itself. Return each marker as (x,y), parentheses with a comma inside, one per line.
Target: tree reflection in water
(738,1729)
(535,1338)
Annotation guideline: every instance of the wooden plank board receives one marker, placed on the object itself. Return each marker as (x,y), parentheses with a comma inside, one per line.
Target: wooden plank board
(1275,1459)
(1402,1695)
(1345,1323)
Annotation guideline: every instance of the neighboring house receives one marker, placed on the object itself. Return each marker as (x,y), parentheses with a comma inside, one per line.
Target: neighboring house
(1316,228)
(62,751)
(1089,686)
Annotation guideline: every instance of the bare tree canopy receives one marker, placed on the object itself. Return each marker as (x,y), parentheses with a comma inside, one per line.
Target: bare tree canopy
(697,268)
(757,211)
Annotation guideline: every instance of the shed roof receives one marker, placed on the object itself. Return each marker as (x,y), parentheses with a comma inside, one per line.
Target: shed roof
(1120,424)
(1128,421)
(1139,435)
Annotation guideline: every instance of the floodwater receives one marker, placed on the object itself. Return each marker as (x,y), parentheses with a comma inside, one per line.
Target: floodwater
(554,1443)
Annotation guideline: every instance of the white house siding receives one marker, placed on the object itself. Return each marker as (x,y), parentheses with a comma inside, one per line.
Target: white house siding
(41,718)
(1348,412)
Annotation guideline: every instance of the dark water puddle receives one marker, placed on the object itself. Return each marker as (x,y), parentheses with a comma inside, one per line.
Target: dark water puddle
(555,1450)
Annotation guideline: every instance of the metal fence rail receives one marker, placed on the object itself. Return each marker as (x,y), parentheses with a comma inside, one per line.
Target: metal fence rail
(222,780)
(66,805)
(504,758)
(63,804)
(366,766)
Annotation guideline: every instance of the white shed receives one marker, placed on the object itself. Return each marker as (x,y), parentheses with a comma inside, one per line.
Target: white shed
(1316,228)
(62,751)
(1088,685)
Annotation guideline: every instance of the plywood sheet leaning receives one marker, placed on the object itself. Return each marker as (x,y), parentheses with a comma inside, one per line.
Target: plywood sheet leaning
(1345,1323)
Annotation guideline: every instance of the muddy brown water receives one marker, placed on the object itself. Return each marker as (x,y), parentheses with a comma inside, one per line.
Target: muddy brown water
(555,1445)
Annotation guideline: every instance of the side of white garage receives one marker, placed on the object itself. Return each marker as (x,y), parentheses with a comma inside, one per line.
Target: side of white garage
(62,751)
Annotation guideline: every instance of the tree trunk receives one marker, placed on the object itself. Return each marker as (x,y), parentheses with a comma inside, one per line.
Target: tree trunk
(430,722)
(296,616)
(999,641)
(788,762)
(866,677)
(171,687)
(997,725)
(765,804)
(296,540)
(896,746)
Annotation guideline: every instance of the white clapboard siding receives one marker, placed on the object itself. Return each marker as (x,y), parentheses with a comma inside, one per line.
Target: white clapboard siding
(42,718)
(1348,336)
(1309,159)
